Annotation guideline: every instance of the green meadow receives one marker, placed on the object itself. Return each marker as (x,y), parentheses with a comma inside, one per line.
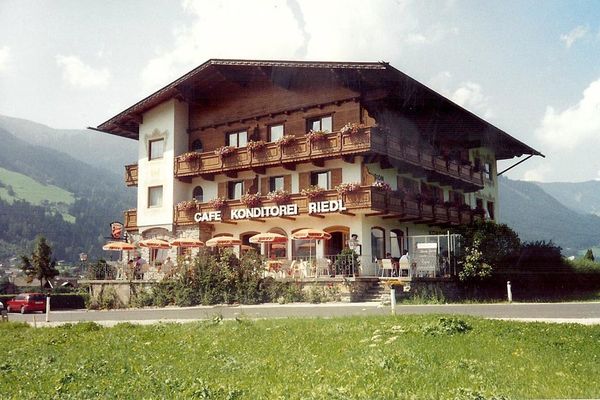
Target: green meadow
(408,357)
(34,192)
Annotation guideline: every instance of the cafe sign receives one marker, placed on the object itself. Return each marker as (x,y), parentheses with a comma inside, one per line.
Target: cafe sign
(316,207)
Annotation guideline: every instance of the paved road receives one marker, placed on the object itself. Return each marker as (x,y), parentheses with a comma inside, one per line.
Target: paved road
(559,312)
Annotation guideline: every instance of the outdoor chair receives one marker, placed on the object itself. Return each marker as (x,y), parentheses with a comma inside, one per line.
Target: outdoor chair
(322,266)
(386,265)
(404,268)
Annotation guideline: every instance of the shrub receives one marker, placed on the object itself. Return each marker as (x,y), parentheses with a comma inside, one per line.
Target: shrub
(589,255)
(541,254)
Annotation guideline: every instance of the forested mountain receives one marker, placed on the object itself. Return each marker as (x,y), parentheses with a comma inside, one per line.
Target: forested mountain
(536,215)
(91,199)
(95,148)
(583,197)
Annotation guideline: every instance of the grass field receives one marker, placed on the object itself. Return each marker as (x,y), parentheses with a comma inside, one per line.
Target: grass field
(34,192)
(364,358)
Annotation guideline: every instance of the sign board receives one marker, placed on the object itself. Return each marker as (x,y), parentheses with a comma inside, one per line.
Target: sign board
(426,257)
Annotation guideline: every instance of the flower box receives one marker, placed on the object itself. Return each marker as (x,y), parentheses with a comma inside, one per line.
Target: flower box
(251,200)
(313,192)
(316,136)
(279,196)
(381,185)
(187,205)
(345,188)
(256,145)
(225,151)
(217,203)
(286,140)
(190,156)
(352,128)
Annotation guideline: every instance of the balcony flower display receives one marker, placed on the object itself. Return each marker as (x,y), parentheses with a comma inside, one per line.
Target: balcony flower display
(313,192)
(187,205)
(346,188)
(381,185)
(251,200)
(225,151)
(256,145)
(190,156)
(315,136)
(279,196)
(217,203)
(286,140)
(352,128)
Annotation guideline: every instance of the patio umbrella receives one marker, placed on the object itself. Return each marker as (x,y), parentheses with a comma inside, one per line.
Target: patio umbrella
(154,244)
(223,241)
(268,237)
(118,246)
(187,242)
(310,234)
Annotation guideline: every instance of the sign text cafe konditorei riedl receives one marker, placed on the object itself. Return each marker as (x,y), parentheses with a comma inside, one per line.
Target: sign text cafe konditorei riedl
(318,207)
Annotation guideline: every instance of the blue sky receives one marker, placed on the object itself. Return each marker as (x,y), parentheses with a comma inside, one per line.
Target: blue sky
(531,68)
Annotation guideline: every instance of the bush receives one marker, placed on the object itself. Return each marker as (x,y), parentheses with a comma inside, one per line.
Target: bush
(107,300)
(65,301)
(541,255)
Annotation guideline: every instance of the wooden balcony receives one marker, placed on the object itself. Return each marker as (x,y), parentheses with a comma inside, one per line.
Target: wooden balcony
(131,220)
(335,145)
(131,175)
(367,200)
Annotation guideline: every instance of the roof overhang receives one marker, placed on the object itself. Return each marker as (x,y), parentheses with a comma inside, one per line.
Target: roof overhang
(375,81)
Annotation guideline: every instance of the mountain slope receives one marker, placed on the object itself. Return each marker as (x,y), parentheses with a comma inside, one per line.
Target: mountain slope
(536,215)
(583,197)
(95,148)
(99,197)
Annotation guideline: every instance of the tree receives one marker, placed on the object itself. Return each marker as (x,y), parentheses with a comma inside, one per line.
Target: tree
(41,265)
(589,255)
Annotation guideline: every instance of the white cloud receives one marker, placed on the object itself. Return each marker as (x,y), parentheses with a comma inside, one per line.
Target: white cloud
(574,126)
(468,94)
(577,33)
(538,174)
(81,75)
(4,58)
(307,29)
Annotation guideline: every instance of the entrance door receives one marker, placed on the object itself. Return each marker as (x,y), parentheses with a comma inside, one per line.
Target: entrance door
(335,245)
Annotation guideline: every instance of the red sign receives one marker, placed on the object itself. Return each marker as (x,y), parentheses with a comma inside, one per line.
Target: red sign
(116,228)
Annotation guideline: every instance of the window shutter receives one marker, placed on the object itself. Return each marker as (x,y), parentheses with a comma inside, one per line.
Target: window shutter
(222,189)
(336,177)
(287,183)
(304,180)
(367,178)
(250,186)
(264,185)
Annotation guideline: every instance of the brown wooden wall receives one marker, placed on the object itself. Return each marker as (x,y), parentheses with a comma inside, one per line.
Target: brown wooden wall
(256,108)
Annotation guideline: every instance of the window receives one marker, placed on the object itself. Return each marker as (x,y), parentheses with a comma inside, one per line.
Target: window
(490,209)
(487,170)
(235,190)
(321,179)
(275,132)
(155,194)
(197,146)
(378,243)
(275,183)
(156,149)
(198,194)
(237,139)
(324,124)
(396,242)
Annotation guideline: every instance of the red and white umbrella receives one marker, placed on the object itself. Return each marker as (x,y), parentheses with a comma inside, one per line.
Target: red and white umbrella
(310,234)
(155,244)
(268,237)
(118,246)
(187,242)
(223,241)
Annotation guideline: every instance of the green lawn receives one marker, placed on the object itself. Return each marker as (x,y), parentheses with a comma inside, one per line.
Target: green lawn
(34,192)
(345,358)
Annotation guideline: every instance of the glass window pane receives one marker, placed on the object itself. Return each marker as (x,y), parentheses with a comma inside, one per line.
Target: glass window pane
(232,140)
(326,124)
(275,133)
(316,125)
(156,149)
(242,139)
(155,196)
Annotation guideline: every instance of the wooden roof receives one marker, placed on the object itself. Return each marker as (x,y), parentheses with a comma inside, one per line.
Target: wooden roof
(379,84)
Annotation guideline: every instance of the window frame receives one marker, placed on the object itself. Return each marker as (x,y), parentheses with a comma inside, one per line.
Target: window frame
(315,182)
(230,185)
(273,185)
(194,195)
(310,123)
(150,188)
(270,130)
(150,143)
(237,133)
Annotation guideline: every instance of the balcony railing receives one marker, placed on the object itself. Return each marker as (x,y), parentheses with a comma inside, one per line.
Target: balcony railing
(131,220)
(131,175)
(334,145)
(366,198)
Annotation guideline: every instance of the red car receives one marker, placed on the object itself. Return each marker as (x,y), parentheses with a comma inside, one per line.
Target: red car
(26,302)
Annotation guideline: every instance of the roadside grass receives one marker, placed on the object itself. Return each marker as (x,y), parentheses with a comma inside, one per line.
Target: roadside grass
(408,357)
